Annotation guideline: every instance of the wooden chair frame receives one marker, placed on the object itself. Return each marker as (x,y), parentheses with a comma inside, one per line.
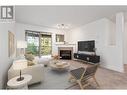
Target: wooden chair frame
(79,81)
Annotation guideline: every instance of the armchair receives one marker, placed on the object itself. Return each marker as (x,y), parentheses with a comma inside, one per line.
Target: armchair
(82,75)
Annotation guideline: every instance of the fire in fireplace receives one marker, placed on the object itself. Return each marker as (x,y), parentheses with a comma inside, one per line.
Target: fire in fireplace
(65,54)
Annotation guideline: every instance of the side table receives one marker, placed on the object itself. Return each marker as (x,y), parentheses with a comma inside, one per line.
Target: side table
(14,84)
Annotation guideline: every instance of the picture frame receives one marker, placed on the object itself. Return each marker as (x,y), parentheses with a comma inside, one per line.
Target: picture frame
(11,44)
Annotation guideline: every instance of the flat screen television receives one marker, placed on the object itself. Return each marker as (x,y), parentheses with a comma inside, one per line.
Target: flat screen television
(86,46)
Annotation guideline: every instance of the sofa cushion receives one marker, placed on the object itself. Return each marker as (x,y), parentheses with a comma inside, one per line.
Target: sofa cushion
(17,63)
(29,57)
(30,63)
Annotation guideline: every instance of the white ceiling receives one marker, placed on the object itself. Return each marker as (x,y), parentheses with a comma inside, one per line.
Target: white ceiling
(50,16)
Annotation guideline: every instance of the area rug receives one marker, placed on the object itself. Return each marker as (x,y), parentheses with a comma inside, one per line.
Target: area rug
(53,80)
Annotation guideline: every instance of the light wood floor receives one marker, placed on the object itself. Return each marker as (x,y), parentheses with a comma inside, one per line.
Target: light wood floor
(125,68)
(107,79)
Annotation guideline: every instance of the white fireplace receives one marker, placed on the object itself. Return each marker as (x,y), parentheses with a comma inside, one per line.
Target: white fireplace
(65,52)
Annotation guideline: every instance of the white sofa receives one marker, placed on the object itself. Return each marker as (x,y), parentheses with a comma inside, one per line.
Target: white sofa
(36,71)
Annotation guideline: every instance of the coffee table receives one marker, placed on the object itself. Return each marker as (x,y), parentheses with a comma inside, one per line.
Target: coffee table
(59,66)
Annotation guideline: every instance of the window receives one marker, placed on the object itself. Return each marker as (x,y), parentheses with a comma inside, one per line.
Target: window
(59,38)
(39,43)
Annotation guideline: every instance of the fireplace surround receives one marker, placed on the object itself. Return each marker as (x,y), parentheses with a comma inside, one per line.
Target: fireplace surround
(65,52)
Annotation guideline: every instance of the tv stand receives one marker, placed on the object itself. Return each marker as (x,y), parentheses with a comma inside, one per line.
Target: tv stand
(87,57)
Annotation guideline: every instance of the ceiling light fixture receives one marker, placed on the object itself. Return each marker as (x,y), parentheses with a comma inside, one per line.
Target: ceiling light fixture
(62,26)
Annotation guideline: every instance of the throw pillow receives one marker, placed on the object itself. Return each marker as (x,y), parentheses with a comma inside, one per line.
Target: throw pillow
(30,63)
(29,57)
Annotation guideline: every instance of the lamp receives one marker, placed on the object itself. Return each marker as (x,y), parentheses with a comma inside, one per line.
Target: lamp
(20,65)
(21,45)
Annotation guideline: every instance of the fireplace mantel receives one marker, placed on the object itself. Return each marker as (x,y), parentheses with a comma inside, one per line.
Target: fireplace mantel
(65,48)
(66,45)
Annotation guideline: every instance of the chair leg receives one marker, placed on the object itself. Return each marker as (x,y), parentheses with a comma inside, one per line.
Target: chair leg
(80,84)
(72,86)
(70,78)
(96,81)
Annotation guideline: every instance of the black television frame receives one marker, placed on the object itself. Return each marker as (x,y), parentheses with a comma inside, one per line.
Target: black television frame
(88,46)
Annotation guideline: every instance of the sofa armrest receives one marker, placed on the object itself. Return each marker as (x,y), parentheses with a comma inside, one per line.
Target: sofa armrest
(36,71)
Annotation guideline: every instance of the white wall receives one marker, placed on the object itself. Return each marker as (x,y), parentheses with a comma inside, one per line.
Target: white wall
(20,33)
(103,32)
(125,44)
(5,61)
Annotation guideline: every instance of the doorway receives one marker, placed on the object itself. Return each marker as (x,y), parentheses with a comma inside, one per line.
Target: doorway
(38,43)
(46,44)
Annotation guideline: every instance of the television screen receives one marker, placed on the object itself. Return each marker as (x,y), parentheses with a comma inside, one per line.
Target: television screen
(86,46)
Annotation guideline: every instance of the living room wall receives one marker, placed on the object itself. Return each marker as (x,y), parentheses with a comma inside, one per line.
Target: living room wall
(125,44)
(20,33)
(103,32)
(5,61)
